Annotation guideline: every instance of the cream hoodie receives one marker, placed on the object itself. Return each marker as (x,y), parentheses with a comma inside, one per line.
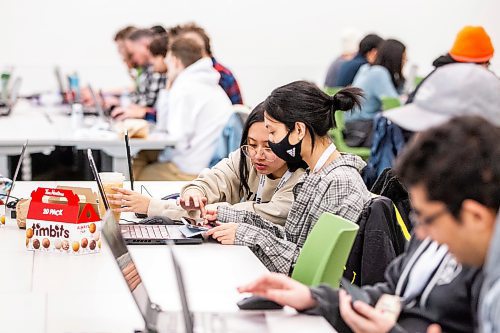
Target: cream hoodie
(197,111)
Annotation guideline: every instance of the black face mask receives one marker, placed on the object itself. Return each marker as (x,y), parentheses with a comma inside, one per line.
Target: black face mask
(287,152)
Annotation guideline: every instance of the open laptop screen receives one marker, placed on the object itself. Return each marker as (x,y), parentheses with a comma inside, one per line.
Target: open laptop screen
(100,187)
(112,234)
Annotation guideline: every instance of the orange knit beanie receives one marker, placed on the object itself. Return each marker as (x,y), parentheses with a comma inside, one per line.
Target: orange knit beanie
(472,45)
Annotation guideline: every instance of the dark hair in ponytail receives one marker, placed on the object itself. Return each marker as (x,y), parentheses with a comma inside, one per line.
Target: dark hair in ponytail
(303,101)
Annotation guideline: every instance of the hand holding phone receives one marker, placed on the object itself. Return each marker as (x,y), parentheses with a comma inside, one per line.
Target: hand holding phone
(356,293)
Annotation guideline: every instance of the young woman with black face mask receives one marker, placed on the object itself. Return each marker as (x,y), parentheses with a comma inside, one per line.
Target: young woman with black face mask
(298,117)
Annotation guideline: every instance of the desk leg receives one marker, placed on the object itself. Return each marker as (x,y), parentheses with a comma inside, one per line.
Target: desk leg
(4,166)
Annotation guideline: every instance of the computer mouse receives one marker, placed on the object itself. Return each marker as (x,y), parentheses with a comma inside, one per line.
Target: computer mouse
(159,220)
(171,196)
(258,303)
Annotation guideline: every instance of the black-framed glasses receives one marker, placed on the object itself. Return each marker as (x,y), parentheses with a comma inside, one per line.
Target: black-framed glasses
(251,152)
(417,219)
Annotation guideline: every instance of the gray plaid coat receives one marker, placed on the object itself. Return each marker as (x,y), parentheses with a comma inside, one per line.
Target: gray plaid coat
(337,188)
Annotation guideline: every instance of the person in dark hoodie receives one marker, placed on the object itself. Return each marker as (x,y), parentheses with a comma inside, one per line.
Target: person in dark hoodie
(367,54)
(450,204)
(472,45)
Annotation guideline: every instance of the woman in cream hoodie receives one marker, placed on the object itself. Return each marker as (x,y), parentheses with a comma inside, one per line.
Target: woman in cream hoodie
(252,178)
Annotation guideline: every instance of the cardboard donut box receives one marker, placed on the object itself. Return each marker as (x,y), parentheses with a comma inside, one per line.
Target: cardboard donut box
(63,220)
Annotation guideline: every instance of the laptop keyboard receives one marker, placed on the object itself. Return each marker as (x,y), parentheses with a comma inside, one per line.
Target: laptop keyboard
(145,231)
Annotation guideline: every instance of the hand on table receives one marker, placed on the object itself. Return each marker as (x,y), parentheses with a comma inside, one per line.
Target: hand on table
(129,201)
(132,111)
(281,289)
(224,233)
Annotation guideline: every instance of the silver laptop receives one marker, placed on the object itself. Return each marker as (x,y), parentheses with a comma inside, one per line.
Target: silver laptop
(144,234)
(159,321)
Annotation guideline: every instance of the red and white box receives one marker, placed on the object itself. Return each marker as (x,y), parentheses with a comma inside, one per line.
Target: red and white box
(59,221)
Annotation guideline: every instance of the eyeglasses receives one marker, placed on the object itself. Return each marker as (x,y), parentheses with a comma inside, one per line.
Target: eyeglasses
(417,219)
(251,152)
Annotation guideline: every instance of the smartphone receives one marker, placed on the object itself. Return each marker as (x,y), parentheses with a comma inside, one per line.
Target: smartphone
(189,221)
(356,292)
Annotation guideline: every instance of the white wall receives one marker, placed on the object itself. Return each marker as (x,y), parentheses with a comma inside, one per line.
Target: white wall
(265,42)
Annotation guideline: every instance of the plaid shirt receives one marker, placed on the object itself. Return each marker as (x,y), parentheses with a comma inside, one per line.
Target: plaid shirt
(149,83)
(228,83)
(337,188)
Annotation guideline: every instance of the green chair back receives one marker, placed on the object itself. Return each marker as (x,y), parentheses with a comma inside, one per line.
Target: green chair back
(390,103)
(325,252)
(337,133)
(418,80)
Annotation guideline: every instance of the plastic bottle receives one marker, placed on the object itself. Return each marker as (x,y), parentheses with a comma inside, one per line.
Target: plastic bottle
(76,116)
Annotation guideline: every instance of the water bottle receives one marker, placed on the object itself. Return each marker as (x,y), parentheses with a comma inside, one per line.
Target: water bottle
(76,116)
(4,96)
(74,86)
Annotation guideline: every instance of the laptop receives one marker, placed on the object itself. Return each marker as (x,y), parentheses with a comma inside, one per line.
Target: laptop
(160,321)
(144,234)
(131,175)
(6,109)
(60,85)
(12,205)
(103,117)
(131,172)
(98,106)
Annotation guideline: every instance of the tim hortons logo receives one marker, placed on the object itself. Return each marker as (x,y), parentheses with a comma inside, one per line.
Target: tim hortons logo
(54,193)
(50,231)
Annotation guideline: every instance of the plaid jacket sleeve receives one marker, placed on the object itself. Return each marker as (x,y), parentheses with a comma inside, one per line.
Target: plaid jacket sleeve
(155,82)
(266,239)
(275,252)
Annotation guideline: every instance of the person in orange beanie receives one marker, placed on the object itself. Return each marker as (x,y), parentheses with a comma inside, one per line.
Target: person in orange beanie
(472,45)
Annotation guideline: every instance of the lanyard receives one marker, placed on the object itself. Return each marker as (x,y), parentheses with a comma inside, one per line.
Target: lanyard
(324,157)
(262,182)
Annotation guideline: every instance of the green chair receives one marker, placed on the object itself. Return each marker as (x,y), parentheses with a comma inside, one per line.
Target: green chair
(418,80)
(331,90)
(390,103)
(337,133)
(325,252)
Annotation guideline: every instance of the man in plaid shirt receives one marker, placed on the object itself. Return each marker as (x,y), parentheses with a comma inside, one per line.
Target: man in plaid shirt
(228,83)
(338,188)
(149,83)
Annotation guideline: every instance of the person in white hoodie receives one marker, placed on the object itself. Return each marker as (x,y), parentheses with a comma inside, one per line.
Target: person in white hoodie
(197,111)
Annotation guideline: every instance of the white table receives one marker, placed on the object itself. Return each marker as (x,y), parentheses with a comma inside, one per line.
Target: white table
(44,292)
(46,128)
